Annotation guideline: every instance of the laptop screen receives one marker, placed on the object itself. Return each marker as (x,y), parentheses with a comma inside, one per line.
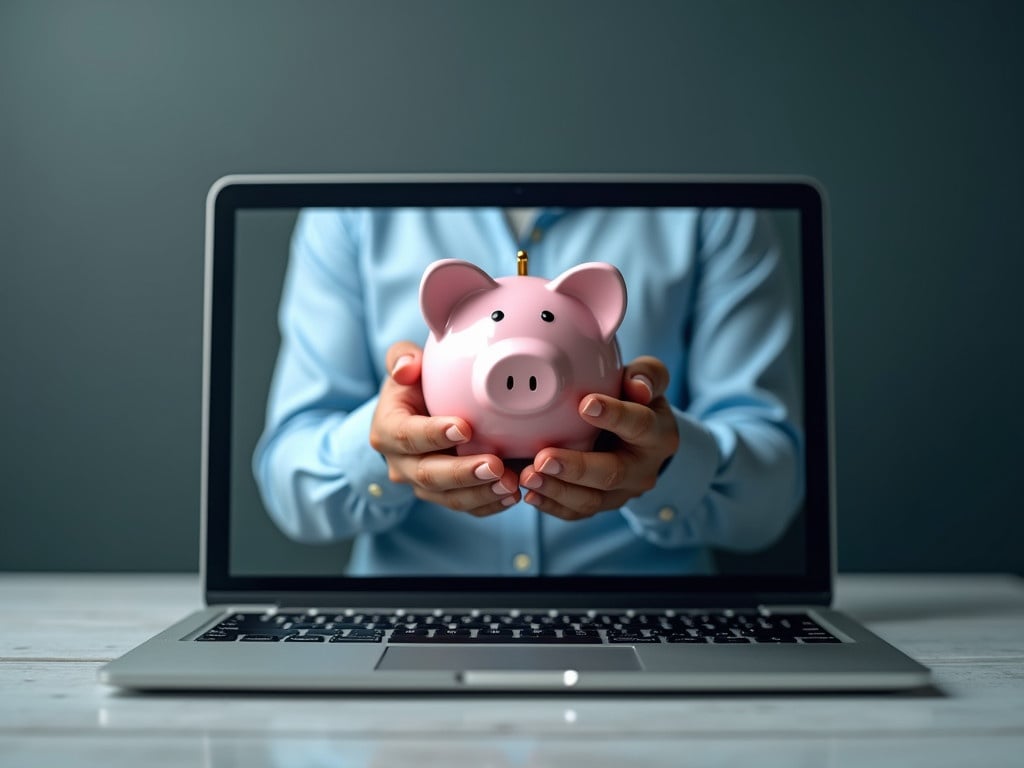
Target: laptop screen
(708,471)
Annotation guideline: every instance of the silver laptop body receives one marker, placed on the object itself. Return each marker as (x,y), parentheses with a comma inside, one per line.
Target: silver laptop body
(252,573)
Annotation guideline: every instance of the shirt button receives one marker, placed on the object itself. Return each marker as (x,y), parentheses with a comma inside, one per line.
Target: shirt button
(666,514)
(521,561)
(375,490)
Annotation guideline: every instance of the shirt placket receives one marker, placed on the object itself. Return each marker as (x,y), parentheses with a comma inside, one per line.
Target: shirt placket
(521,539)
(521,552)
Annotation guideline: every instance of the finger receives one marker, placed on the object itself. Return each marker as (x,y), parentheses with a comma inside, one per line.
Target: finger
(600,471)
(494,507)
(633,423)
(553,508)
(475,484)
(480,501)
(401,432)
(644,379)
(404,362)
(564,500)
(440,472)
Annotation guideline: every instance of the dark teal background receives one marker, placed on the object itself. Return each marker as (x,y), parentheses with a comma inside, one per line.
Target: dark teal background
(115,117)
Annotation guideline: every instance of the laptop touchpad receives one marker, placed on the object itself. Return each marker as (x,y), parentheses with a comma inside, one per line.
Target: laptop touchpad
(486,658)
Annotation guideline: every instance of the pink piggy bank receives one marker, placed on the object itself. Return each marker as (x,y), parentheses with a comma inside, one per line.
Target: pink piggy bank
(515,355)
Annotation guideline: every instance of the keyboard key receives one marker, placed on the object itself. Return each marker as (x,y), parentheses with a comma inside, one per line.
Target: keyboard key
(365,633)
(452,618)
(659,631)
(305,639)
(494,634)
(260,638)
(539,635)
(579,636)
(280,632)
(770,636)
(527,639)
(375,637)
(453,634)
(409,637)
(339,625)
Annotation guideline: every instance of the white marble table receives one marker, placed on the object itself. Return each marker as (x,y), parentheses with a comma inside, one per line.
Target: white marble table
(58,629)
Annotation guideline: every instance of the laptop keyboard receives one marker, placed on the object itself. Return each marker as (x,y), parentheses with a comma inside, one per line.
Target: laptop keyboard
(517,627)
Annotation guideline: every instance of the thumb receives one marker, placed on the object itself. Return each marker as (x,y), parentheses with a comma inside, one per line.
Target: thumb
(404,362)
(644,379)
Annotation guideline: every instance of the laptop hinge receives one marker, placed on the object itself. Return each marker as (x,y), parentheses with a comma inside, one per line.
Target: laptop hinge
(498,601)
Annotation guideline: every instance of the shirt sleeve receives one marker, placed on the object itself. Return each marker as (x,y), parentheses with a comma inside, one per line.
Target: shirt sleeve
(319,478)
(737,478)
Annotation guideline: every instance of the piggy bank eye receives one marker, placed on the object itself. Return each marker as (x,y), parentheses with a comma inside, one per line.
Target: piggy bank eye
(547,317)
(497,315)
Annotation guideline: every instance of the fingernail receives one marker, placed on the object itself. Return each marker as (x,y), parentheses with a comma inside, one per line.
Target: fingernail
(455,435)
(533,482)
(400,363)
(646,382)
(550,467)
(508,501)
(501,490)
(484,472)
(592,407)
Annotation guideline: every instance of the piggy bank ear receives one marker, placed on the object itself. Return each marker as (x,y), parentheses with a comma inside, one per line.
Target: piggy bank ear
(444,285)
(601,289)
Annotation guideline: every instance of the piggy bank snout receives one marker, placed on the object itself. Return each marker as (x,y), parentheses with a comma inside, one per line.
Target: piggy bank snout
(519,375)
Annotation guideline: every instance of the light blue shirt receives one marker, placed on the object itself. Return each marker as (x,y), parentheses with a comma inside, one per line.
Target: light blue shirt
(706,295)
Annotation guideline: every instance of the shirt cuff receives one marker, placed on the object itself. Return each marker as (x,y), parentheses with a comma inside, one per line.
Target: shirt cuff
(349,447)
(667,514)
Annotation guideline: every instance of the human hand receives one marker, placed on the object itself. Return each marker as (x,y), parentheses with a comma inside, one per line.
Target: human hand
(574,485)
(417,447)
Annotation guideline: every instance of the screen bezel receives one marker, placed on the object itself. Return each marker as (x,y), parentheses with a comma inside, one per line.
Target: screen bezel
(234,193)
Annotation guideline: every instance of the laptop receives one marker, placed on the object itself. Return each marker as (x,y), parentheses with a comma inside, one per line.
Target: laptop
(718,577)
